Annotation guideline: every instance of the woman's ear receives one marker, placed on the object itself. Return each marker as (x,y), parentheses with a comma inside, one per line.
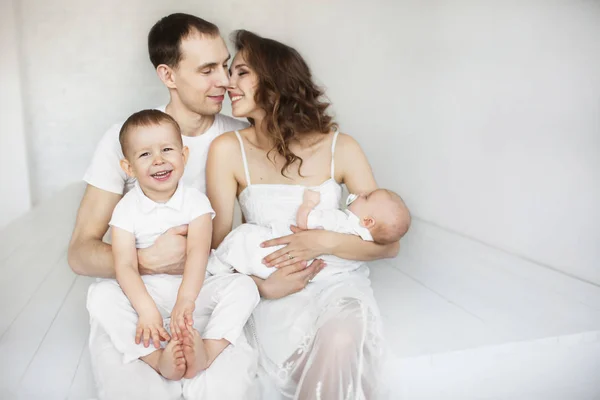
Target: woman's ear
(166,75)
(185,152)
(126,166)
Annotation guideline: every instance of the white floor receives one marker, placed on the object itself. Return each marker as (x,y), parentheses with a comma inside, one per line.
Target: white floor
(464,321)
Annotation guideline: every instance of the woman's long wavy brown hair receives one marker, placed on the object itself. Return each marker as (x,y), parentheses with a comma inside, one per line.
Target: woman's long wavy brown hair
(293,103)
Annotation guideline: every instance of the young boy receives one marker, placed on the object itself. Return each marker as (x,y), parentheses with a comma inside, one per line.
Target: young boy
(379,216)
(155,156)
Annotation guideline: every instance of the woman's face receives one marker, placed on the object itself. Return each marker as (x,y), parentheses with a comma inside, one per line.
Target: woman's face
(242,86)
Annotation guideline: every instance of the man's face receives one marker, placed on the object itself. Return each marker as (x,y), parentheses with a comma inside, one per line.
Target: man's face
(201,77)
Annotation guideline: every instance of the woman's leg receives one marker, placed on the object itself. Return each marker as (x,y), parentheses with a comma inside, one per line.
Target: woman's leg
(344,357)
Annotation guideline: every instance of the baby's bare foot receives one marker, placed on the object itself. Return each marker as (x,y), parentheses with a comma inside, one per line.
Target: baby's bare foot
(171,364)
(194,353)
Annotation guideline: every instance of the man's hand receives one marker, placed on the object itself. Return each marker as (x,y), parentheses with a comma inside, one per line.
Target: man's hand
(150,326)
(166,255)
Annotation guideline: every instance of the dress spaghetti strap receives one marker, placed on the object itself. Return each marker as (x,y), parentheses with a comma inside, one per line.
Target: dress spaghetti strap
(335,136)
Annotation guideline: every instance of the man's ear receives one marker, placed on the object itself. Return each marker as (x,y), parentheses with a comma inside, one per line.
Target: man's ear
(185,152)
(368,222)
(125,166)
(166,75)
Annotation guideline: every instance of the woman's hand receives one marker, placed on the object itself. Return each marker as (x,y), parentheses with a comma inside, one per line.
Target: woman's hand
(299,247)
(289,279)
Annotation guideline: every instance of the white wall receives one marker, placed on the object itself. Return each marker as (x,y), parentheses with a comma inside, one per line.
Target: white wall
(483,115)
(15,196)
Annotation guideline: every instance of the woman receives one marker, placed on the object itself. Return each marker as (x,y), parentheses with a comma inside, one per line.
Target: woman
(317,340)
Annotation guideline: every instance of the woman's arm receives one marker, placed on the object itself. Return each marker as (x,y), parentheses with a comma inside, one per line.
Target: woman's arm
(356,173)
(352,169)
(221,184)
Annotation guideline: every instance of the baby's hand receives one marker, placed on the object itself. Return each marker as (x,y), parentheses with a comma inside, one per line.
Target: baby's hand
(310,201)
(181,317)
(150,326)
(311,198)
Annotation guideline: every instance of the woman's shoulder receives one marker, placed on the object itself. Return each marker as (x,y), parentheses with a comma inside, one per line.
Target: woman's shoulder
(225,142)
(347,145)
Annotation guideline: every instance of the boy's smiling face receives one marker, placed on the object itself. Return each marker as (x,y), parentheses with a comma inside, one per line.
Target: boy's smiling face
(156,157)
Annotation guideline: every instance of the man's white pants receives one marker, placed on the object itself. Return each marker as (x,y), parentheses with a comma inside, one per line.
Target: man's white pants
(222,308)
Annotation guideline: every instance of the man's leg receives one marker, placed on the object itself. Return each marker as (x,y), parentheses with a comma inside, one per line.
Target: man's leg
(132,381)
(224,305)
(110,309)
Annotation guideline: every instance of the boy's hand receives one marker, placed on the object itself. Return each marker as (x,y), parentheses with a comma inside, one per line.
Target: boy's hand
(150,326)
(181,317)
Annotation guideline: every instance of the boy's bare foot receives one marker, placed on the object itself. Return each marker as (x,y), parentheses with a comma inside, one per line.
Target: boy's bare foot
(171,363)
(194,353)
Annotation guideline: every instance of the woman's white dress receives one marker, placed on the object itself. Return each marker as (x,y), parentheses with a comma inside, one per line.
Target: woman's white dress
(324,342)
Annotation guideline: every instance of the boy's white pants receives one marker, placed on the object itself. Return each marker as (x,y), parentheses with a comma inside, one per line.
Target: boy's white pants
(223,306)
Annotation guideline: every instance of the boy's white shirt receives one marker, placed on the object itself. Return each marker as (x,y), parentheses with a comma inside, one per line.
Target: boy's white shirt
(105,172)
(147,219)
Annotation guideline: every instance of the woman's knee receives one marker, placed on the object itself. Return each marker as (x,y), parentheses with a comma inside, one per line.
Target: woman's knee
(344,332)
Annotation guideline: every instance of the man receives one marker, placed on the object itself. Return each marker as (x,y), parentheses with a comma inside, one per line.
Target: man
(191,59)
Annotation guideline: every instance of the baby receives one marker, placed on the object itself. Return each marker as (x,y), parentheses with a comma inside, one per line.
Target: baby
(380,216)
(154,154)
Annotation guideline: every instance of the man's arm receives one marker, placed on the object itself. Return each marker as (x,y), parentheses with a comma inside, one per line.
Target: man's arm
(88,255)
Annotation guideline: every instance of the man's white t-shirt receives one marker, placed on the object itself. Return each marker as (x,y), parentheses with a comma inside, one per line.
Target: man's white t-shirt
(105,172)
(147,219)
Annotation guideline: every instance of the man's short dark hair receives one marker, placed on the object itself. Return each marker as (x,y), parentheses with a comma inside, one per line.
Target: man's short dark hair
(164,39)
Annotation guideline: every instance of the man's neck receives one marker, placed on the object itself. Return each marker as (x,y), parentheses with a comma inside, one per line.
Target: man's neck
(191,124)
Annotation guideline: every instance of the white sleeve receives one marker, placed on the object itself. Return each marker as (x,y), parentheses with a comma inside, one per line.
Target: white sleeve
(230,124)
(198,203)
(104,171)
(123,215)
(330,220)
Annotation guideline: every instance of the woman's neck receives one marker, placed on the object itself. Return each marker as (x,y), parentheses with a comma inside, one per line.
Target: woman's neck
(263,138)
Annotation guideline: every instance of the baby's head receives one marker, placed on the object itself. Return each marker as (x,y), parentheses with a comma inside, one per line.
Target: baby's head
(383,213)
(154,151)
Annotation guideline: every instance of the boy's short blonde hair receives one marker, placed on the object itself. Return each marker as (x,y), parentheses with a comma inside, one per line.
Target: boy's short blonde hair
(145,118)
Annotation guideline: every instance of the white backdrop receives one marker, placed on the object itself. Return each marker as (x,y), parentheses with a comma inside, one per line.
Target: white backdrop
(15,191)
(484,115)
